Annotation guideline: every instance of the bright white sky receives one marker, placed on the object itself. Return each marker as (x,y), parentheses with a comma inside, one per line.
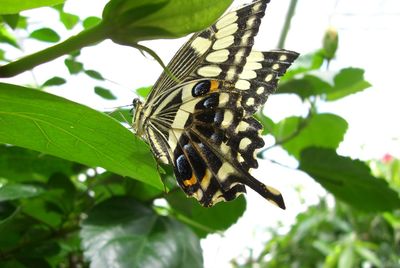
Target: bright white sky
(367,39)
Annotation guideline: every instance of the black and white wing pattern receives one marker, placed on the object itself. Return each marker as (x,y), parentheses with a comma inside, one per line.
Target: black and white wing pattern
(201,120)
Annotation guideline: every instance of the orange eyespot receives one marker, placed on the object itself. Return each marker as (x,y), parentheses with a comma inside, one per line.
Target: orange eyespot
(191,181)
(214,85)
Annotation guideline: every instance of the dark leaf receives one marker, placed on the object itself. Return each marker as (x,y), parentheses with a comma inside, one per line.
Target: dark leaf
(124,233)
(56,126)
(54,81)
(73,66)
(104,93)
(45,35)
(19,164)
(207,220)
(18,191)
(134,21)
(11,20)
(349,180)
(94,74)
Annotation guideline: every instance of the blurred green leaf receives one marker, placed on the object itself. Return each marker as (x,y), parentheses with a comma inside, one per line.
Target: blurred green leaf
(143,91)
(125,233)
(346,259)
(122,115)
(19,164)
(322,130)
(7,37)
(267,123)
(45,35)
(12,6)
(89,22)
(348,81)
(104,93)
(94,74)
(305,87)
(56,126)
(139,20)
(305,63)
(69,20)
(349,180)
(206,220)
(54,81)
(11,20)
(73,66)
(18,191)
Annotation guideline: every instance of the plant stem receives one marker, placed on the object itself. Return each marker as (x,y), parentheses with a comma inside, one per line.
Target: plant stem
(83,39)
(286,25)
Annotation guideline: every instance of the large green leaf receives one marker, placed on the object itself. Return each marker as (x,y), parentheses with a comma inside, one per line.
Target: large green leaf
(56,126)
(206,220)
(133,21)
(121,232)
(12,6)
(349,180)
(323,130)
(45,35)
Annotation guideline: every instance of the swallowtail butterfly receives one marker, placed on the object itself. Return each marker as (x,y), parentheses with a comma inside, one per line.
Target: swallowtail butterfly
(200,120)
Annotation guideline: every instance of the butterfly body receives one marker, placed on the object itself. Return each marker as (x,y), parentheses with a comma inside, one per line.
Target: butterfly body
(200,118)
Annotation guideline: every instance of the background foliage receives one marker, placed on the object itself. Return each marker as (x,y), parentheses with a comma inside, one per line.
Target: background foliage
(79,189)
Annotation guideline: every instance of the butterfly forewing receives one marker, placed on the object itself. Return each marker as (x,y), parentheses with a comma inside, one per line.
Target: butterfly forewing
(200,119)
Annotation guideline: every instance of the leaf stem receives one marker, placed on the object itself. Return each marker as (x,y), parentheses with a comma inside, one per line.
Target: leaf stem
(86,38)
(286,25)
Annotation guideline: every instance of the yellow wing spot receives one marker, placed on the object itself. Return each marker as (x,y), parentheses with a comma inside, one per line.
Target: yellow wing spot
(214,85)
(190,182)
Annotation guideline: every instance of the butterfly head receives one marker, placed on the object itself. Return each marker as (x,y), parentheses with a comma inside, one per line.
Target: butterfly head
(136,119)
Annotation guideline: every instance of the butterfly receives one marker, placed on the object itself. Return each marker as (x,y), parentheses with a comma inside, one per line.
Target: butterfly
(200,118)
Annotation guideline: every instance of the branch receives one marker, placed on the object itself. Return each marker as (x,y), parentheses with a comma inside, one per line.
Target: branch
(286,25)
(83,39)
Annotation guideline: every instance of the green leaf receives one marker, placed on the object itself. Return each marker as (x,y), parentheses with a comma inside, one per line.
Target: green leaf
(305,63)
(19,164)
(104,93)
(144,91)
(54,81)
(305,87)
(134,21)
(268,124)
(94,74)
(17,191)
(12,6)
(7,37)
(125,233)
(69,20)
(122,115)
(45,35)
(206,220)
(11,20)
(90,22)
(346,259)
(322,130)
(73,66)
(56,126)
(348,81)
(349,180)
